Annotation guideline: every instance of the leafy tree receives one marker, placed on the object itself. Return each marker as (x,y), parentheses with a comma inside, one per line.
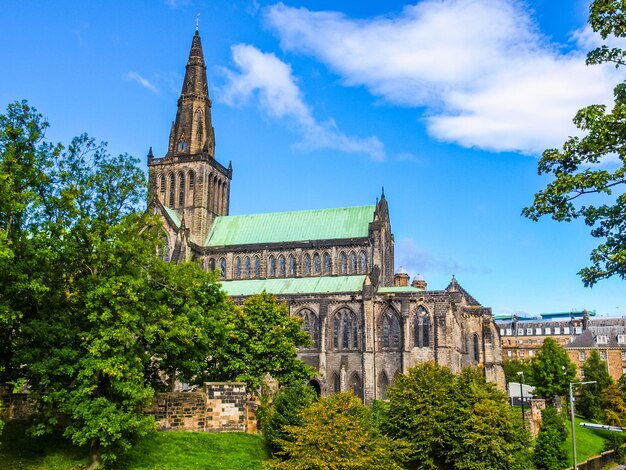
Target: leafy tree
(575,167)
(512,367)
(613,404)
(337,433)
(551,371)
(550,449)
(284,410)
(261,339)
(588,403)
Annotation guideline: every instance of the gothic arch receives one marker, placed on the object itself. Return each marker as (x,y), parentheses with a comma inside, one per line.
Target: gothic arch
(247,267)
(223,268)
(181,189)
(328,263)
(421,328)
(362,263)
(271,269)
(292,266)
(282,267)
(199,127)
(211,264)
(352,267)
(224,198)
(356,385)
(307,264)
(336,383)
(172,190)
(343,263)
(390,330)
(237,267)
(383,385)
(257,267)
(345,330)
(161,180)
(310,324)
(475,348)
(317,263)
(191,181)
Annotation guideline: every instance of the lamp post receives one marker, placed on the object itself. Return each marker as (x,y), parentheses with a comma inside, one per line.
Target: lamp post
(571,409)
(521,392)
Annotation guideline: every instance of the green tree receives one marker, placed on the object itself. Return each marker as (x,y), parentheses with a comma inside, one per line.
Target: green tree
(337,433)
(588,403)
(575,167)
(613,404)
(284,410)
(261,339)
(551,371)
(512,367)
(550,449)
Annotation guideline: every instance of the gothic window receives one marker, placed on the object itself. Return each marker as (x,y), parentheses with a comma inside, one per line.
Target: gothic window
(182,146)
(343,263)
(211,264)
(383,385)
(292,265)
(238,267)
(162,183)
(345,330)
(476,348)
(172,190)
(272,264)
(199,126)
(421,329)
(307,265)
(257,267)
(248,267)
(362,263)
(164,249)
(355,385)
(181,190)
(353,265)
(224,198)
(192,180)
(281,266)
(317,263)
(311,326)
(336,383)
(390,330)
(327,264)
(223,268)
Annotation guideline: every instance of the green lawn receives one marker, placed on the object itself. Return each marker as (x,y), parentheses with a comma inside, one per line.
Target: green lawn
(589,442)
(160,450)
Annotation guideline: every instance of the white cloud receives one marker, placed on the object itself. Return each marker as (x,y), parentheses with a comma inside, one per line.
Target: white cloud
(417,260)
(483,72)
(135,77)
(267,78)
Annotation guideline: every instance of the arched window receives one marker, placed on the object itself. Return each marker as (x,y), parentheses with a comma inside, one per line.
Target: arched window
(355,385)
(390,330)
(211,264)
(162,183)
(199,126)
(311,326)
(257,267)
(281,266)
(292,265)
(345,330)
(223,268)
(421,329)
(238,267)
(317,263)
(307,265)
(248,267)
(343,263)
(192,180)
(353,266)
(172,190)
(182,146)
(327,264)
(164,249)
(476,348)
(272,264)
(362,263)
(336,383)
(181,190)
(383,385)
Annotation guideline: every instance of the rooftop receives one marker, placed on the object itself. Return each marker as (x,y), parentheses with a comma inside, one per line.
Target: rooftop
(289,286)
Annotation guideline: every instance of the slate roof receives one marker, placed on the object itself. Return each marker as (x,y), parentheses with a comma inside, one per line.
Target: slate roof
(294,226)
(288,286)
(588,338)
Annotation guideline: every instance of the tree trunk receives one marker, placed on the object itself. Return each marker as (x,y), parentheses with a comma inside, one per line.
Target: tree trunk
(95,454)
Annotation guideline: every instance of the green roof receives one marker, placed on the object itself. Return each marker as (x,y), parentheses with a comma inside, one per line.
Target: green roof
(392,290)
(173,215)
(280,227)
(302,285)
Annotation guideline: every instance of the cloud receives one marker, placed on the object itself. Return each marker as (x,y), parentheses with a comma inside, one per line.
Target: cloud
(135,77)
(480,70)
(416,260)
(176,3)
(268,79)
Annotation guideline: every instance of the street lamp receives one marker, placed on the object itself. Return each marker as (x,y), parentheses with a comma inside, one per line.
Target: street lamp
(571,409)
(521,392)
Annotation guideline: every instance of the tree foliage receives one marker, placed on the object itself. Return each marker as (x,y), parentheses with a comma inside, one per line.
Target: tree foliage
(449,421)
(551,370)
(577,168)
(550,449)
(588,404)
(337,433)
(512,367)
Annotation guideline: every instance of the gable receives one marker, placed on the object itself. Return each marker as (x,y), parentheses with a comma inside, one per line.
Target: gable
(281,227)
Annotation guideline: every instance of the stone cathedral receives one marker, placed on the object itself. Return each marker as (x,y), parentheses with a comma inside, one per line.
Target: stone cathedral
(334,268)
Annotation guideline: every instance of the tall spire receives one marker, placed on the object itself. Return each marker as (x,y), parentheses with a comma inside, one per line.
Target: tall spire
(192,131)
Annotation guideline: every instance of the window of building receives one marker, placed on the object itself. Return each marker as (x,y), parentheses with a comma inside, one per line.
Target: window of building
(257,267)
(509,332)
(566,330)
(317,263)
(238,267)
(531,352)
(307,265)
(272,268)
(390,330)
(336,383)
(520,331)
(181,190)
(578,330)
(223,268)
(363,262)
(529,331)
(581,372)
(421,329)
(623,355)
(355,385)
(327,264)
(547,331)
(603,355)
(521,354)
(211,264)
(172,190)
(501,331)
(476,348)
(292,265)
(345,330)
(537,331)
(602,339)
(248,267)
(281,266)
(509,353)
(581,355)
(311,325)
(623,370)
(343,263)
(621,339)
(192,180)
(557,330)
(162,183)
(182,146)
(353,264)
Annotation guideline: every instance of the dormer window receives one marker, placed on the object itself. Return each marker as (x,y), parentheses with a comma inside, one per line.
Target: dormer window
(602,339)
(182,146)
(621,339)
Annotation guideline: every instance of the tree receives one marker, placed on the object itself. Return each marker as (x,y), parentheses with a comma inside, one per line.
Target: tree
(337,433)
(261,339)
(575,167)
(551,371)
(550,450)
(588,404)
(284,410)
(512,367)
(613,404)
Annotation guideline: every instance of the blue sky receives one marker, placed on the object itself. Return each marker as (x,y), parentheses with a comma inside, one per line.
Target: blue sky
(445,103)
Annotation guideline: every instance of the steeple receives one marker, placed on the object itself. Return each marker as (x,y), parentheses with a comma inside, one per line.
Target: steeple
(192,131)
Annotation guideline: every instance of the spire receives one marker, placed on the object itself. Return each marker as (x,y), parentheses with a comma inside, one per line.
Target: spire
(192,131)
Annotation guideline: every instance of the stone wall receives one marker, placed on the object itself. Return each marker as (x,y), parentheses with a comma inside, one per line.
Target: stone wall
(15,406)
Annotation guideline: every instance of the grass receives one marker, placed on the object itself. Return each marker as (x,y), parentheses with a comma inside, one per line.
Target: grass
(589,442)
(159,450)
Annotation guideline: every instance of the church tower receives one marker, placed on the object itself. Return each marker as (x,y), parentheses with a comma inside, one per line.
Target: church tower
(188,185)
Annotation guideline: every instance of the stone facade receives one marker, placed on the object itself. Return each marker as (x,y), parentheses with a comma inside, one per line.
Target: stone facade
(334,267)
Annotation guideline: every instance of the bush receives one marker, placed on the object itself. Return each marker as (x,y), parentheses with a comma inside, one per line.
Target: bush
(550,451)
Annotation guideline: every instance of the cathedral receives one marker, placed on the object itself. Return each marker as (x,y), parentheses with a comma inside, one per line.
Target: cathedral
(334,268)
